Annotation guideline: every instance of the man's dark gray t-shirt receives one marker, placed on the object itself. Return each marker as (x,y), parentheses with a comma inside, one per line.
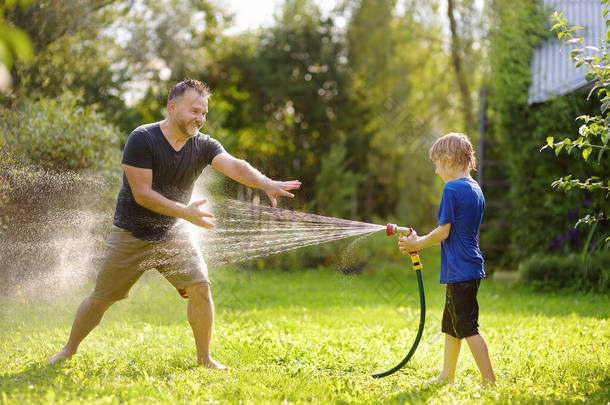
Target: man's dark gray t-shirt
(174,173)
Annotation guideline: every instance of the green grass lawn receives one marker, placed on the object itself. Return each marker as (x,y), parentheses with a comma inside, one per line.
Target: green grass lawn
(302,337)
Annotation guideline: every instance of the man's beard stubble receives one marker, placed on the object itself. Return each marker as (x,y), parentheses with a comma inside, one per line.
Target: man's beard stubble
(185,128)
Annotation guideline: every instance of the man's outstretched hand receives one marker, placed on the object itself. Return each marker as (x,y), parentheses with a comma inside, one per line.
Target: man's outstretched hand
(195,215)
(275,189)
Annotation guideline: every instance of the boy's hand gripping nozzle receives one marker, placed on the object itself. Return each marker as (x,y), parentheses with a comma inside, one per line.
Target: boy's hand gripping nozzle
(393,229)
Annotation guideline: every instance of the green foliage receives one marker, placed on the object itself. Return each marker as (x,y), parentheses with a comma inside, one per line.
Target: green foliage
(336,185)
(45,20)
(575,271)
(517,27)
(77,55)
(60,134)
(182,40)
(595,132)
(397,100)
(522,128)
(78,64)
(14,41)
(113,52)
(284,96)
(279,96)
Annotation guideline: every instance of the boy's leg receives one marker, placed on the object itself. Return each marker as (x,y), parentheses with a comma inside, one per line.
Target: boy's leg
(452,352)
(452,343)
(478,347)
(88,316)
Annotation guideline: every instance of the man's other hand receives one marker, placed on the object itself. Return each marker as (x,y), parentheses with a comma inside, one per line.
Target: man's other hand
(197,216)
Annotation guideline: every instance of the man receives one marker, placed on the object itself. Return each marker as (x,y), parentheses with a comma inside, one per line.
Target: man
(161,162)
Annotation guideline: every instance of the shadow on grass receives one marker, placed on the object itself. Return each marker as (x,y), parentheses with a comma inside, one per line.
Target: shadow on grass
(37,379)
(499,394)
(415,395)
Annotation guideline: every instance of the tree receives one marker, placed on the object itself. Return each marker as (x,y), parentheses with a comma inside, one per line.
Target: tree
(403,98)
(116,52)
(279,93)
(459,51)
(71,54)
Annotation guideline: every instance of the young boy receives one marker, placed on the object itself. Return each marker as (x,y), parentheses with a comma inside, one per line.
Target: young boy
(459,219)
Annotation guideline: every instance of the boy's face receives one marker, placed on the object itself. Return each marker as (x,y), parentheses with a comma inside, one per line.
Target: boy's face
(442,167)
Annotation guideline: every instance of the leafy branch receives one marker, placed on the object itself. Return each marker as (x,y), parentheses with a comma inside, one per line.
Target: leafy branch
(592,183)
(594,133)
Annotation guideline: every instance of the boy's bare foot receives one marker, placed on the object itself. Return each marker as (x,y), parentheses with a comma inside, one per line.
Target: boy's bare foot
(63,355)
(488,383)
(213,364)
(439,380)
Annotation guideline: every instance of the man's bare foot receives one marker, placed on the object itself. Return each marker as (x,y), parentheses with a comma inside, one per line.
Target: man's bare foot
(213,364)
(488,383)
(439,380)
(63,355)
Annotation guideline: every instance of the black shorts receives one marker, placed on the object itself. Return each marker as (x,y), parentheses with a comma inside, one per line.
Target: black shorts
(461,314)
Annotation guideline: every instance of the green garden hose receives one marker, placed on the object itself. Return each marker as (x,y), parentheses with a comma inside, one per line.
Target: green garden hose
(392,229)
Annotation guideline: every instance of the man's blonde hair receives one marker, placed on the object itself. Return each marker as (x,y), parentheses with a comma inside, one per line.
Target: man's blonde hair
(457,148)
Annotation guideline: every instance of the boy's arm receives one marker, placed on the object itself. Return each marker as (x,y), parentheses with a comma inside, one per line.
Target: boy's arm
(413,242)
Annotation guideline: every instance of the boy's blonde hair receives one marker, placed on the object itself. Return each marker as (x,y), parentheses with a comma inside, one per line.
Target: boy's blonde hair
(457,148)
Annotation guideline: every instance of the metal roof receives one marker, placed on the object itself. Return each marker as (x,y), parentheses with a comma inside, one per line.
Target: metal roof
(552,73)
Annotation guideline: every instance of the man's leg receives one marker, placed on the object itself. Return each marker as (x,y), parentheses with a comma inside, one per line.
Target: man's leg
(201,318)
(478,347)
(88,316)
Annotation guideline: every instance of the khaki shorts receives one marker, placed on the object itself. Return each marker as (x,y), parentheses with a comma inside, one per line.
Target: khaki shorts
(179,260)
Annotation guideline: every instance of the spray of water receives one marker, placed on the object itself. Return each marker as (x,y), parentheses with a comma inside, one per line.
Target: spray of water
(246,231)
(52,229)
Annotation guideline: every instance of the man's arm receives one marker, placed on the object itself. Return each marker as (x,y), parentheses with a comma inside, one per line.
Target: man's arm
(140,181)
(413,242)
(242,172)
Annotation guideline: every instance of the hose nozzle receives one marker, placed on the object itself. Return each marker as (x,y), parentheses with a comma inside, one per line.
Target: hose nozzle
(393,229)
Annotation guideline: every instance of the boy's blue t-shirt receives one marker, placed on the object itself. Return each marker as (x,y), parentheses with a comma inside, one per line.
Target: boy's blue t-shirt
(462,205)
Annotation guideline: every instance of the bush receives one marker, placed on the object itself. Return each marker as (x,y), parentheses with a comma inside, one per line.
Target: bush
(59,166)
(59,134)
(573,271)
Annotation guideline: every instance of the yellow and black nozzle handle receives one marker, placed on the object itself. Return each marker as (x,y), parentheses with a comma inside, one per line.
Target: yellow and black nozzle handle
(393,229)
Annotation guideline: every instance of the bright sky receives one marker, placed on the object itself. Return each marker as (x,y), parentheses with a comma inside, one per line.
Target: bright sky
(251,14)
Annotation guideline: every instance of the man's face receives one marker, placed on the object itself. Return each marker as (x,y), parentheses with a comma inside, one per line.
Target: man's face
(189,112)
